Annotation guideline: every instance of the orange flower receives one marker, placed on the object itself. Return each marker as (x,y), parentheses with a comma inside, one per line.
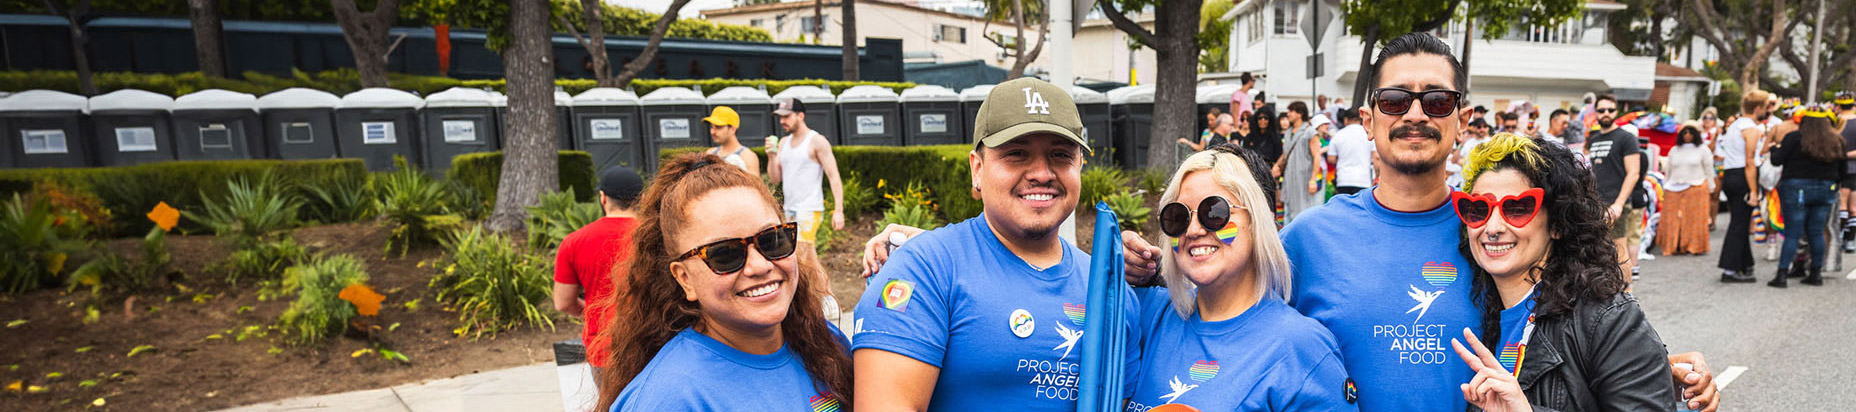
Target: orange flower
(365,300)
(164,216)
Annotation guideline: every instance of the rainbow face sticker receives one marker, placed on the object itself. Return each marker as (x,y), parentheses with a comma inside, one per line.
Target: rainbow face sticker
(1227,235)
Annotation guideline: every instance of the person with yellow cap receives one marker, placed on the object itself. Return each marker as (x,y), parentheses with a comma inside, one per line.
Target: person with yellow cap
(723,123)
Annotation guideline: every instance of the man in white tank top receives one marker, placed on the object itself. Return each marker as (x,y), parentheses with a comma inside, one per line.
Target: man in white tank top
(798,162)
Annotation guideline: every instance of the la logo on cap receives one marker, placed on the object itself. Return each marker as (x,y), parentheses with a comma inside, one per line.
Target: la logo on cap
(1034,102)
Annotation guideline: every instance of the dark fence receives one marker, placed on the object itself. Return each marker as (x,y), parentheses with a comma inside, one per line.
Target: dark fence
(165,45)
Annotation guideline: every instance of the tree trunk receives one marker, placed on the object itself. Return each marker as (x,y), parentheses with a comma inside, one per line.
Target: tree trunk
(649,53)
(1362,82)
(592,11)
(77,16)
(818,21)
(1749,73)
(529,167)
(366,34)
(208,37)
(849,10)
(1177,57)
(1018,45)
(1469,39)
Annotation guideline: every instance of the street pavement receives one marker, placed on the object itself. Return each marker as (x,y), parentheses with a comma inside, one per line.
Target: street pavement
(1775,349)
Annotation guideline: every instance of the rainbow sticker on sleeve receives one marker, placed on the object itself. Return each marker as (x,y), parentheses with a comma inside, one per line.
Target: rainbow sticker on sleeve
(896,294)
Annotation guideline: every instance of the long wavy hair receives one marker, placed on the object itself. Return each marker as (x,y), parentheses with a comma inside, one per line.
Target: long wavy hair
(1581,262)
(1239,171)
(650,305)
(1820,139)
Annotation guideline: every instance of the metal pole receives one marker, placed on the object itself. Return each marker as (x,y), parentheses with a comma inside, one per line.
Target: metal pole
(1817,47)
(1063,77)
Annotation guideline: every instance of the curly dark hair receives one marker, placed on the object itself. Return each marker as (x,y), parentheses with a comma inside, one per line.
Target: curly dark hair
(650,306)
(1259,169)
(1581,262)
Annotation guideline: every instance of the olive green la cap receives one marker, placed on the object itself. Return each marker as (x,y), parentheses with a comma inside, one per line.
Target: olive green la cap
(1026,106)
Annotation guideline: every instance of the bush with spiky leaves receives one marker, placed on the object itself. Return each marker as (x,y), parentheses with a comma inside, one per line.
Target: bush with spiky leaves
(319,312)
(492,284)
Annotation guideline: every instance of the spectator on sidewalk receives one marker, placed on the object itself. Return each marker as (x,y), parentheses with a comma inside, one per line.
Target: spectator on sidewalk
(1690,166)
(1265,136)
(723,123)
(717,314)
(1241,100)
(1617,167)
(583,266)
(801,163)
(1298,167)
(1352,155)
(1219,133)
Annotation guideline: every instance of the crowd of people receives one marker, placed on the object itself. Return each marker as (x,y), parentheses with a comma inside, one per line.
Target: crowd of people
(1498,234)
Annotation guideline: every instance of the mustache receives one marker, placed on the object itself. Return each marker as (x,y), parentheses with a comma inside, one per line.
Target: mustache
(1422,130)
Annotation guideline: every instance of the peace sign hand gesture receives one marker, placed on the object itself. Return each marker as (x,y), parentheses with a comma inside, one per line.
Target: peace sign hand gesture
(1494,389)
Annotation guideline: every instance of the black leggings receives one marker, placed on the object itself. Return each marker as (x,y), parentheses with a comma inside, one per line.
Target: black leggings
(1736,249)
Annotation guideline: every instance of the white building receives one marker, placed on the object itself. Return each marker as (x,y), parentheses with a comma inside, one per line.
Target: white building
(1100,51)
(1551,66)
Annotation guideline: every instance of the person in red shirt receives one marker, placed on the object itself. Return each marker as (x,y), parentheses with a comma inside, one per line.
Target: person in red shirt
(583,267)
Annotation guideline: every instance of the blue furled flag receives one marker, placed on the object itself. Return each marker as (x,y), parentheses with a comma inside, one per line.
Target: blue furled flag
(1104,326)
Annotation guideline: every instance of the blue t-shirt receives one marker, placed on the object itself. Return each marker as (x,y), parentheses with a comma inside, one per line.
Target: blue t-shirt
(1394,289)
(1267,359)
(694,372)
(1003,333)
(1517,324)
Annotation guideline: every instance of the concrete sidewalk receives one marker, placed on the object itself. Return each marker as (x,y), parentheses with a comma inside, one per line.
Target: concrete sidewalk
(537,387)
(527,388)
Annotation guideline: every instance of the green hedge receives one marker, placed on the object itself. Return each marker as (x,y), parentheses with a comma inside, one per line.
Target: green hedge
(129,192)
(344,81)
(482,171)
(943,169)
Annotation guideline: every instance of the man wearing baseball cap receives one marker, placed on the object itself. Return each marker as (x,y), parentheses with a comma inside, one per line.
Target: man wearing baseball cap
(723,123)
(585,260)
(801,162)
(986,313)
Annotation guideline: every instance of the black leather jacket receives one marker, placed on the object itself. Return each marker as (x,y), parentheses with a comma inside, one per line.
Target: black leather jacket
(1604,356)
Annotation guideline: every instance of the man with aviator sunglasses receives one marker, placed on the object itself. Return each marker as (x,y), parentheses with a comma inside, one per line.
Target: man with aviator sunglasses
(1392,307)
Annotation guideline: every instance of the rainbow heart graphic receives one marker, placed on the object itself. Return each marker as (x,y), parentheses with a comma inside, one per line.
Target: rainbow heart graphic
(1202,371)
(1074,312)
(1439,274)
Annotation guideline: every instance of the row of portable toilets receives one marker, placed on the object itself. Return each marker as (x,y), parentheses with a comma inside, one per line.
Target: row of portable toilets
(54,129)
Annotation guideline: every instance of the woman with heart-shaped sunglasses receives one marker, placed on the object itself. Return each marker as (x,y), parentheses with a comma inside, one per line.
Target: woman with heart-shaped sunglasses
(1554,305)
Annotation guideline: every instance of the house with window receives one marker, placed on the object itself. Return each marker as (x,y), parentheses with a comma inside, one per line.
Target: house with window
(1100,52)
(928,35)
(1552,66)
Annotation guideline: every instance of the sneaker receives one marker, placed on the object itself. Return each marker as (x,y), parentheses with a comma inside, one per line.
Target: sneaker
(1849,247)
(1737,277)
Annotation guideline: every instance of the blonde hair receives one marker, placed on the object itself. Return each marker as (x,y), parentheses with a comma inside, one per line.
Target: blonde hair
(1752,99)
(1270,261)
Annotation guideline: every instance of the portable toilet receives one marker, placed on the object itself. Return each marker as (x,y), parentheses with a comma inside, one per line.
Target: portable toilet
(672,119)
(1133,110)
(457,121)
(931,115)
(821,111)
(756,110)
(299,123)
(606,126)
(217,124)
(1210,97)
(376,124)
(1092,106)
(970,100)
(131,127)
(44,128)
(868,116)
(563,132)
(563,119)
